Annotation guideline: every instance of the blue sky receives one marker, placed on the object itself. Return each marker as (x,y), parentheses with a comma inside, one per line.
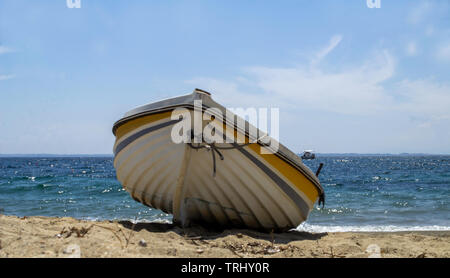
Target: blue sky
(346,78)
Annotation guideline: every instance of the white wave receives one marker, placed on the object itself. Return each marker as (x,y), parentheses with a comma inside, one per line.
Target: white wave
(305,227)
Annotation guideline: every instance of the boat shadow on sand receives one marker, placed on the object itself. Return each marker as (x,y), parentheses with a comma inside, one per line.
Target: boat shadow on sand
(211,233)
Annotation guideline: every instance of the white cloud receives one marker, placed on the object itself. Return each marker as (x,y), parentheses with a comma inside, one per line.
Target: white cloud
(429,31)
(232,93)
(411,49)
(6,77)
(443,52)
(352,91)
(359,90)
(334,42)
(420,12)
(427,97)
(4,50)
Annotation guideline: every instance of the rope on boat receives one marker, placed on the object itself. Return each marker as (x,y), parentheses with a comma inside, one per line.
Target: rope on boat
(215,149)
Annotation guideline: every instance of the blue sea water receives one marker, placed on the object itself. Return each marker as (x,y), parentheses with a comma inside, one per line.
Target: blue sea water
(363,193)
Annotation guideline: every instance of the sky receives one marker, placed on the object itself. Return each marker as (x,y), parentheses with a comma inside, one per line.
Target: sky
(346,78)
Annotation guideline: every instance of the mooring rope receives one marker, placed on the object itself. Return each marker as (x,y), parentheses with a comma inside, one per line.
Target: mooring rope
(215,149)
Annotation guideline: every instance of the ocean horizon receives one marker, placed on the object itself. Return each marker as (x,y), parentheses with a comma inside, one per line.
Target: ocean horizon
(367,193)
(316,153)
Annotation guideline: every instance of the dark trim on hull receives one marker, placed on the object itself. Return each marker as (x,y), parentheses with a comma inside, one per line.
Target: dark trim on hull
(141,133)
(304,208)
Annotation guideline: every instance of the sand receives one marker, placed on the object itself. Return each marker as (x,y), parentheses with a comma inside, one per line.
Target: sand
(69,237)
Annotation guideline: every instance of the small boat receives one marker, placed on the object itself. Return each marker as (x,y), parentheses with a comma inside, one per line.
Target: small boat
(229,184)
(309,154)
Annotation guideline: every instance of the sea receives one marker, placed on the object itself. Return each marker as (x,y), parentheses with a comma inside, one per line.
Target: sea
(365,193)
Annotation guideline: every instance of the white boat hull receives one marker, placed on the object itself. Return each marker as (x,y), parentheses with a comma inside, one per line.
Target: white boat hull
(248,189)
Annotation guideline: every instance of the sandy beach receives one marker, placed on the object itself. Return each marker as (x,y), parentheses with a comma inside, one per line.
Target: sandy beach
(69,237)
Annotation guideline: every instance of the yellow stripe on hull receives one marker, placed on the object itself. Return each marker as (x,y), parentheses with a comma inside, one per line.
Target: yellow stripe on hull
(296,178)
